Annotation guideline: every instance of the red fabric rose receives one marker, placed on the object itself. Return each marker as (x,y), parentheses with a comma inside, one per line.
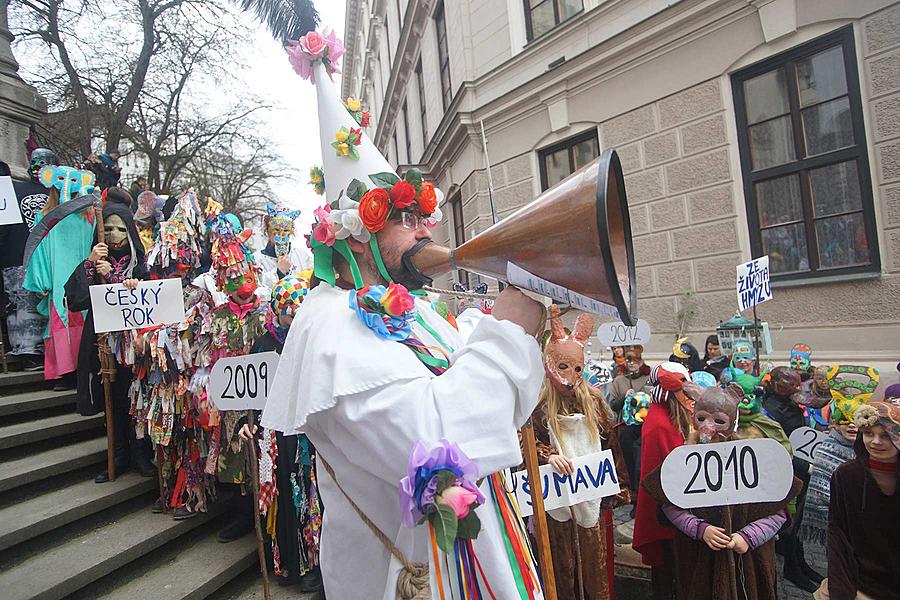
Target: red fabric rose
(427,198)
(403,194)
(374,208)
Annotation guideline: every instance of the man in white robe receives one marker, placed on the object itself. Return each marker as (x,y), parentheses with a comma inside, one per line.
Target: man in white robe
(364,401)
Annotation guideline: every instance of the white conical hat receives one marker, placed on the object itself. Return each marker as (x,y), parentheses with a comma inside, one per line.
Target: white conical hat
(333,114)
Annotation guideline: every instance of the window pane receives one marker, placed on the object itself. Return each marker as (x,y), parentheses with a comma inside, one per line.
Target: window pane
(828,126)
(585,152)
(842,241)
(766,96)
(821,77)
(542,18)
(786,247)
(835,189)
(778,201)
(567,8)
(557,166)
(771,143)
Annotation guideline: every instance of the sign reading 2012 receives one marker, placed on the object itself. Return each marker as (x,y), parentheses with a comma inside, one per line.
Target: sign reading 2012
(152,303)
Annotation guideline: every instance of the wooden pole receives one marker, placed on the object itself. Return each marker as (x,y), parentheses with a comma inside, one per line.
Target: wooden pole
(756,341)
(254,475)
(107,369)
(732,576)
(539,518)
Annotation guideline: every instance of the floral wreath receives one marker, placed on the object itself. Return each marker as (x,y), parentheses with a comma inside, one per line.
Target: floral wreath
(315,47)
(317,179)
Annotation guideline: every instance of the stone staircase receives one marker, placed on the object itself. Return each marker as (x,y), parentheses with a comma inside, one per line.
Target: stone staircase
(62,535)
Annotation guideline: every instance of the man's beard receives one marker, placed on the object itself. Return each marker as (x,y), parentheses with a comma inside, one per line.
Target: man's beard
(393,263)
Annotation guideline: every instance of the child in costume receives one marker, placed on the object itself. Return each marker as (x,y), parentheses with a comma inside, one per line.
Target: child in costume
(742,362)
(667,424)
(289,495)
(119,260)
(864,512)
(233,330)
(281,256)
(632,379)
(164,359)
(701,543)
(637,404)
(574,421)
(65,246)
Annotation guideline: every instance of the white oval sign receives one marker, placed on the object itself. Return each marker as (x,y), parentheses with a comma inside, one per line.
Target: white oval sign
(805,440)
(617,333)
(243,382)
(727,473)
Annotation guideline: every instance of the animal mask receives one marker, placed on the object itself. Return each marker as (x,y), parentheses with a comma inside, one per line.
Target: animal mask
(564,354)
(785,384)
(280,225)
(634,359)
(851,386)
(636,406)
(801,357)
(750,403)
(715,411)
(71,183)
(41,157)
(743,356)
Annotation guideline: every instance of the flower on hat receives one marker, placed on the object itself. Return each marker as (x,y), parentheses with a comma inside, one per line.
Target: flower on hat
(323,230)
(374,208)
(345,140)
(317,179)
(342,134)
(347,221)
(403,194)
(354,104)
(315,47)
(427,198)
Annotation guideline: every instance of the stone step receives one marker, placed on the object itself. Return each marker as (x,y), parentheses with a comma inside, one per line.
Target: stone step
(26,520)
(71,565)
(17,379)
(249,586)
(189,572)
(29,432)
(50,463)
(35,400)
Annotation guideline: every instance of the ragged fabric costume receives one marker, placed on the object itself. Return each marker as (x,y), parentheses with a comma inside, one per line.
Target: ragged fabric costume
(64,248)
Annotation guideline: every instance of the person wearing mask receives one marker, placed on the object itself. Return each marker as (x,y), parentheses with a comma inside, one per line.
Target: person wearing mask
(633,379)
(685,353)
(137,186)
(864,513)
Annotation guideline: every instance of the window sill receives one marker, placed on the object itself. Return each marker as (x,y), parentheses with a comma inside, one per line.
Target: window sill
(824,280)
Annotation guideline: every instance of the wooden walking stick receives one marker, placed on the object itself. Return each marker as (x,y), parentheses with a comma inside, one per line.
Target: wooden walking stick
(254,475)
(107,367)
(539,516)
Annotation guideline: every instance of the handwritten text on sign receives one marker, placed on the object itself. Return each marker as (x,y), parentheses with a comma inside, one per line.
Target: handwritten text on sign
(117,308)
(727,473)
(9,205)
(243,382)
(519,277)
(753,283)
(594,477)
(617,333)
(804,441)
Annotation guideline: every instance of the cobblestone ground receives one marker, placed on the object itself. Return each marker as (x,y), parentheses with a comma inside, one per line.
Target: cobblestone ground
(815,556)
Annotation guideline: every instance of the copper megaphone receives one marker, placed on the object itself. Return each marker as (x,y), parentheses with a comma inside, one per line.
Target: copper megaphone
(572,243)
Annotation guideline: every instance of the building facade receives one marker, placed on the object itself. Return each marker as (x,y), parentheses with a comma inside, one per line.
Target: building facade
(745,128)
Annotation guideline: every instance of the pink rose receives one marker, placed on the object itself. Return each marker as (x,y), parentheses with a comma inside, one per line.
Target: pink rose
(335,47)
(313,44)
(396,300)
(459,499)
(324,233)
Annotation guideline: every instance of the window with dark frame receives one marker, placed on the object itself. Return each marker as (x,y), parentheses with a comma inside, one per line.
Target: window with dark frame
(459,232)
(564,158)
(543,15)
(804,163)
(423,111)
(440,26)
(406,132)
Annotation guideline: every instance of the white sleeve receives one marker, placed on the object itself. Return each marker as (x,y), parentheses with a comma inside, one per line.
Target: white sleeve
(479,403)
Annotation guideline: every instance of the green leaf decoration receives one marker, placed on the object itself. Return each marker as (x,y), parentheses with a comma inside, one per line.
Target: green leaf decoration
(414,176)
(445,479)
(469,527)
(356,189)
(445,524)
(384,180)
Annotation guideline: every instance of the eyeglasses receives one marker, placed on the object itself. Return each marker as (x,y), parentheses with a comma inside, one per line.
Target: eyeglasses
(412,220)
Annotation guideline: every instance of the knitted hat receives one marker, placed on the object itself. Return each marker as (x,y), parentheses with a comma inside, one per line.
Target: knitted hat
(287,294)
(886,414)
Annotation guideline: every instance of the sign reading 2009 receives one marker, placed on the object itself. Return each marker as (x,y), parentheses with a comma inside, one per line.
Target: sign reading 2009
(727,473)
(117,308)
(243,382)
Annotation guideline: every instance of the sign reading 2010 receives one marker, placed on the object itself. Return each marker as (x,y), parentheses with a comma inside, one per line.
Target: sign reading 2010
(727,473)
(151,303)
(243,382)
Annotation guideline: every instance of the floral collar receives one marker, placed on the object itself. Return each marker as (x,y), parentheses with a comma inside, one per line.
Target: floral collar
(386,311)
(241,310)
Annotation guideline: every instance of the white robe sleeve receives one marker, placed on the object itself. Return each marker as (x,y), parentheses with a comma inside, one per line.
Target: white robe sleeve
(479,403)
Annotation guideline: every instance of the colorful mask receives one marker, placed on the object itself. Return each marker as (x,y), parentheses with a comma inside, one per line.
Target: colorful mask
(287,295)
(634,359)
(564,354)
(71,183)
(750,403)
(801,357)
(115,231)
(851,386)
(232,257)
(635,409)
(742,358)
(784,382)
(482,304)
(703,379)
(668,379)
(41,157)
(715,410)
(280,225)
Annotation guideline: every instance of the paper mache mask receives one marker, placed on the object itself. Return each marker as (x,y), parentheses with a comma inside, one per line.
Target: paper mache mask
(751,401)
(715,411)
(801,357)
(280,224)
(635,409)
(851,386)
(70,182)
(564,354)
